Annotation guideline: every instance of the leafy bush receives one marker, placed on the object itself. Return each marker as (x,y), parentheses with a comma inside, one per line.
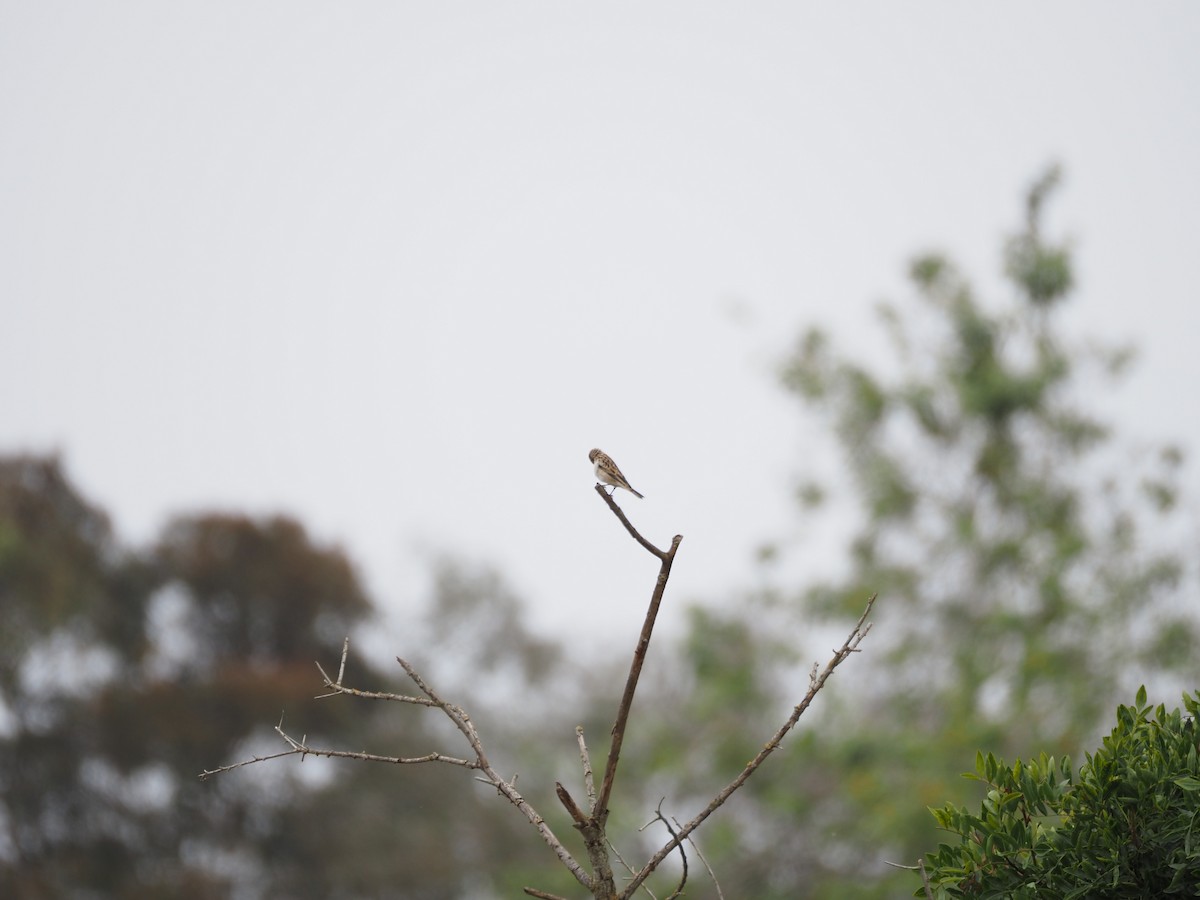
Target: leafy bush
(1127,826)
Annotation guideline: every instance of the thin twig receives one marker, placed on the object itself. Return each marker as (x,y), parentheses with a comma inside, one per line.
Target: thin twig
(635,671)
(462,722)
(840,655)
(342,664)
(336,688)
(569,804)
(208,773)
(620,514)
(534,892)
(589,779)
(925,878)
(628,867)
(301,749)
(594,831)
(659,817)
(711,873)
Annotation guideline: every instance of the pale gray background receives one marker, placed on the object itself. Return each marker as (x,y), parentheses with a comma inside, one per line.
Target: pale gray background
(396,267)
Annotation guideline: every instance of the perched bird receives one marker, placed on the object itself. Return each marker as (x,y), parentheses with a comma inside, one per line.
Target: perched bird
(608,473)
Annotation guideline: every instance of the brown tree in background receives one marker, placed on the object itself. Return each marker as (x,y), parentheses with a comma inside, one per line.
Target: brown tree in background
(122,671)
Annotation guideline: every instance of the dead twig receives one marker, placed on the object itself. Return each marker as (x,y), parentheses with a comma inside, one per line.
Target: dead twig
(589,780)
(659,817)
(629,868)
(711,873)
(337,687)
(639,658)
(302,749)
(925,879)
(593,831)
(620,514)
(461,721)
(570,805)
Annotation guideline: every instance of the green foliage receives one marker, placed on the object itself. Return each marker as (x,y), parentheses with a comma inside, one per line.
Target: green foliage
(1042,270)
(983,525)
(1128,825)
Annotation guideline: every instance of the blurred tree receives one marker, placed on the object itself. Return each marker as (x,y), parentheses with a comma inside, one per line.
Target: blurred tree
(1018,596)
(124,674)
(431,832)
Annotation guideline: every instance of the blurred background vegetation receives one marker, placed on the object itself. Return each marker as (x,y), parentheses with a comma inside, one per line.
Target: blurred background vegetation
(1031,572)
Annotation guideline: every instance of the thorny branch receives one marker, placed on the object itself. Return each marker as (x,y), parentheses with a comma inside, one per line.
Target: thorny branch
(301,748)
(461,721)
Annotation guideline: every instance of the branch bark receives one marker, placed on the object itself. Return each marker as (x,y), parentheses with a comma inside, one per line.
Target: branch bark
(620,514)
(593,830)
(461,721)
(635,669)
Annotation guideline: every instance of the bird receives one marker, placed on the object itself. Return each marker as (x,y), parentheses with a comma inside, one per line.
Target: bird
(608,473)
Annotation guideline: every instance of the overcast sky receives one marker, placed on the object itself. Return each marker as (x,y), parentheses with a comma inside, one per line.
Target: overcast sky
(396,267)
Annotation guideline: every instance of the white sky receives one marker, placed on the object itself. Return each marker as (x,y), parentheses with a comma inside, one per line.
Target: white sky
(395,268)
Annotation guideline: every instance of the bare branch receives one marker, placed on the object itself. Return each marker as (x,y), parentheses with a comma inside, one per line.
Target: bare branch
(569,804)
(635,670)
(463,723)
(208,773)
(342,665)
(336,688)
(925,878)
(840,655)
(589,780)
(301,749)
(592,824)
(620,514)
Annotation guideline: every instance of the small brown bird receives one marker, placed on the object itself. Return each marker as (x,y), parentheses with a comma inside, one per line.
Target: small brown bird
(608,473)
